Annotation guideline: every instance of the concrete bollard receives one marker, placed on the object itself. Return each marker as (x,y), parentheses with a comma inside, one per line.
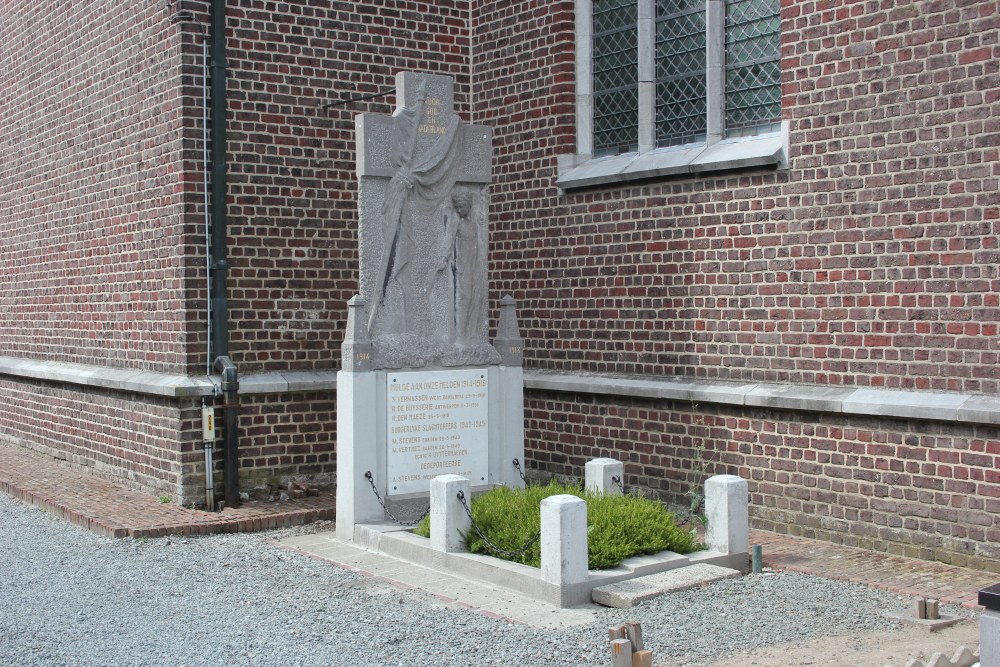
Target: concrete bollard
(449,521)
(989,627)
(564,540)
(599,476)
(727,509)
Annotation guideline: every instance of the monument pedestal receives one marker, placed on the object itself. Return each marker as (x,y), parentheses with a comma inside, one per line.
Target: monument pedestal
(357,433)
(406,428)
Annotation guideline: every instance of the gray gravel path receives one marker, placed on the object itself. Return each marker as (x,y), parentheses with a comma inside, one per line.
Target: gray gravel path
(71,598)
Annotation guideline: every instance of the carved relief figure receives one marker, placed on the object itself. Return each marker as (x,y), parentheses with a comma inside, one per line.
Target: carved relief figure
(423,229)
(461,259)
(424,174)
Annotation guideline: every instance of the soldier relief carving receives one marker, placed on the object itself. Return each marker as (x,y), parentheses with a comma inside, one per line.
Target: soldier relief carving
(424,231)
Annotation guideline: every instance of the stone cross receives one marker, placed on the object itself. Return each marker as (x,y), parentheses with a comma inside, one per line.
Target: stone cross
(423,238)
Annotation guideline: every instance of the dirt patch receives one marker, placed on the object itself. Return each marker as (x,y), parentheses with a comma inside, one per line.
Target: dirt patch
(873,649)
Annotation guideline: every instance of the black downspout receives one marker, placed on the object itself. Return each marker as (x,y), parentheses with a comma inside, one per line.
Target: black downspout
(220,266)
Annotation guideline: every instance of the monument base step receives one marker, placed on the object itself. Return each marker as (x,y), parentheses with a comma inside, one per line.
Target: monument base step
(633,591)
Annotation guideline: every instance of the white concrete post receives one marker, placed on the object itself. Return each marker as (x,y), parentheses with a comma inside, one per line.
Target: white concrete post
(727,510)
(506,425)
(449,521)
(599,474)
(989,638)
(356,452)
(564,540)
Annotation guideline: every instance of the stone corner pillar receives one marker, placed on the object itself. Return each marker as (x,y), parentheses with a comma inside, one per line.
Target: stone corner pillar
(449,520)
(564,540)
(727,510)
(356,451)
(599,476)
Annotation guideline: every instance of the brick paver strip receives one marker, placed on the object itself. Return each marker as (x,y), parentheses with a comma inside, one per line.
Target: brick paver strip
(897,574)
(107,509)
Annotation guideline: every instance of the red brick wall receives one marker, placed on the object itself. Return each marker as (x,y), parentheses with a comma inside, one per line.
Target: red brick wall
(95,250)
(288,436)
(145,443)
(293,234)
(872,262)
(923,490)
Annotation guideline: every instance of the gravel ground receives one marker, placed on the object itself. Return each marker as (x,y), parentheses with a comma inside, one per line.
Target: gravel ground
(68,597)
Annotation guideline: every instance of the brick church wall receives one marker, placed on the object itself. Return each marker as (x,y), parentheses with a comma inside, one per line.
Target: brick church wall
(101,251)
(102,191)
(293,211)
(95,177)
(288,436)
(145,443)
(293,214)
(871,262)
(919,489)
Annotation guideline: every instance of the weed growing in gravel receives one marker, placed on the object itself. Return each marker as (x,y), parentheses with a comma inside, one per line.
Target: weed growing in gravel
(618,527)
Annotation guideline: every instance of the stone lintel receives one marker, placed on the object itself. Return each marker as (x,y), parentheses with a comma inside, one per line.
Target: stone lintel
(936,406)
(131,380)
(170,385)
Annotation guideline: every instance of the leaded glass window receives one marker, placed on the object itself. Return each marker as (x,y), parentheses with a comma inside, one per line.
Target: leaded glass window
(753,68)
(669,73)
(681,102)
(615,77)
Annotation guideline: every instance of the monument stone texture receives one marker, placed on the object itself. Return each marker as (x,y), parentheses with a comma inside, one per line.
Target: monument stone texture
(422,392)
(422,204)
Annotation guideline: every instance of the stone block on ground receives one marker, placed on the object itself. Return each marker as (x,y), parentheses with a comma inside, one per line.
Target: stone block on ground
(630,593)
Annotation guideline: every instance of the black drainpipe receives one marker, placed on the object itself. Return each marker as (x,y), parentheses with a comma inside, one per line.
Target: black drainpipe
(220,266)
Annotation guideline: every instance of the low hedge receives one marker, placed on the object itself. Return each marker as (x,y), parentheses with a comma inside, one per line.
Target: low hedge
(618,526)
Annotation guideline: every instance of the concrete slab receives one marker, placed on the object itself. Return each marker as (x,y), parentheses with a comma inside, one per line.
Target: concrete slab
(764,150)
(311,380)
(879,402)
(980,409)
(630,593)
(908,404)
(799,397)
(925,623)
(446,589)
(263,383)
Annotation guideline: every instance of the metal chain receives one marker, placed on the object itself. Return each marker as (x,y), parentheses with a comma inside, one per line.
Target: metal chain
(693,513)
(618,480)
(371,480)
(517,464)
(486,540)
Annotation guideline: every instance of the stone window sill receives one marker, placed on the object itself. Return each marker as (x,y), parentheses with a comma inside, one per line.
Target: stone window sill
(766,150)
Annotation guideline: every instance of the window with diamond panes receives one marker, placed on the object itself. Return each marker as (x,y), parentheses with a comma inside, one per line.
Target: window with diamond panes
(753,67)
(681,92)
(615,77)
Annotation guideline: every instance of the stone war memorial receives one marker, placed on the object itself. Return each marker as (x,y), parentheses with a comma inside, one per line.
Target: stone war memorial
(422,391)
(429,411)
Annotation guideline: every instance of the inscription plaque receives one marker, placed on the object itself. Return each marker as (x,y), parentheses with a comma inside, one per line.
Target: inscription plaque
(437,424)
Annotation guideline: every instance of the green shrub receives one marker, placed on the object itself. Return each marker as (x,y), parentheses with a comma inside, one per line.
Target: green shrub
(618,527)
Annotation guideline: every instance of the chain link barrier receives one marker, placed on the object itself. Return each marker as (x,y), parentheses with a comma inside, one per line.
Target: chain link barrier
(492,547)
(618,480)
(371,480)
(693,513)
(517,465)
